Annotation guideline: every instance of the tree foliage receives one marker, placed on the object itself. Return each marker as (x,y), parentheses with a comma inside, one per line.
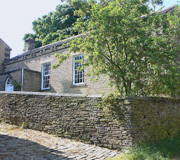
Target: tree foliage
(81,3)
(54,27)
(138,53)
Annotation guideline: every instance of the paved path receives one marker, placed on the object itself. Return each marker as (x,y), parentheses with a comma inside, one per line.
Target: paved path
(25,144)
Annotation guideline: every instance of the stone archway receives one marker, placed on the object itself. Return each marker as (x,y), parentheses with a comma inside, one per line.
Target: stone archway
(8,85)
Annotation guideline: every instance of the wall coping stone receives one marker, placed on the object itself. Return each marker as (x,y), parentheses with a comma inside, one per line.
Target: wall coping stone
(50,94)
(127,99)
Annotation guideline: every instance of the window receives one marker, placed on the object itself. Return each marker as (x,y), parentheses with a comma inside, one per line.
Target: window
(7,55)
(78,76)
(46,67)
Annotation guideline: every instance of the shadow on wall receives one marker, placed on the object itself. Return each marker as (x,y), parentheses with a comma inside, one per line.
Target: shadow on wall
(26,149)
(66,87)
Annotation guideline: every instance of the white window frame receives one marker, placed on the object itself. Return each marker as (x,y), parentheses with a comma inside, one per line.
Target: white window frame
(42,80)
(74,71)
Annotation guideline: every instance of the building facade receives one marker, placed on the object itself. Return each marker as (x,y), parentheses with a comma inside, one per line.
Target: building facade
(32,71)
(4,54)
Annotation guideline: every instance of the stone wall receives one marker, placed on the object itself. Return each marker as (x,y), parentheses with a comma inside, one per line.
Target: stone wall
(4,54)
(3,79)
(82,118)
(72,116)
(31,81)
(17,75)
(155,118)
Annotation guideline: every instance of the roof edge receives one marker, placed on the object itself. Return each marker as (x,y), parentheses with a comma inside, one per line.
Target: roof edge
(6,44)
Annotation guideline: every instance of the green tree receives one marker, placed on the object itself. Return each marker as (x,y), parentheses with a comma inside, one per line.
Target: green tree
(154,2)
(138,53)
(83,7)
(54,27)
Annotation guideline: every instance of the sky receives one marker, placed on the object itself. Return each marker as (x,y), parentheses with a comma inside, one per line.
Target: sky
(16,17)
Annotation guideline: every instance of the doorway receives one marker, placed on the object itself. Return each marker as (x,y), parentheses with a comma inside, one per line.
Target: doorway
(8,85)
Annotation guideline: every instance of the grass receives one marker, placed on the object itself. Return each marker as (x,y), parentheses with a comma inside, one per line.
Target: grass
(166,149)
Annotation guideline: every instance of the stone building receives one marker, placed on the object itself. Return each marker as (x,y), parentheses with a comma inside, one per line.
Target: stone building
(32,72)
(4,54)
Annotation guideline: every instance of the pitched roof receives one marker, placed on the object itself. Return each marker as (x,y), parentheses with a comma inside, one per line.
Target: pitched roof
(48,46)
(168,9)
(62,42)
(41,50)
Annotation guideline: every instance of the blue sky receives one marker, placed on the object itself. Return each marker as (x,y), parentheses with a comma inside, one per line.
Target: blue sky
(16,17)
(168,3)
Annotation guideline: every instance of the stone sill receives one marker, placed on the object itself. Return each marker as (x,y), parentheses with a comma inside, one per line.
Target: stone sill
(78,85)
(45,90)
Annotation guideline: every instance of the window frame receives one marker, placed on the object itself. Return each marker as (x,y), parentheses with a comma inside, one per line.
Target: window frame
(42,79)
(74,70)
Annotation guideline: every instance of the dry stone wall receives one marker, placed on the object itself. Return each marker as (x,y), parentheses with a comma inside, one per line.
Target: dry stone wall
(155,118)
(82,118)
(78,117)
